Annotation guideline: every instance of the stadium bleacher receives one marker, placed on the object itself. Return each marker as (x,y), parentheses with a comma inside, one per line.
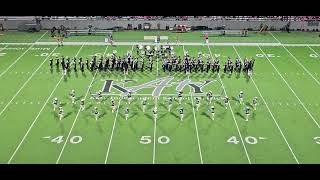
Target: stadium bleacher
(178,18)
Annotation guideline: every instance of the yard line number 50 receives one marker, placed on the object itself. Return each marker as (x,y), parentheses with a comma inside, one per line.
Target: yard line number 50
(148,140)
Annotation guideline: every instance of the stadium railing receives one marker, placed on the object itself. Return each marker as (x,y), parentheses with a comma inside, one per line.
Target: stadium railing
(13,18)
(186,18)
(242,33)
(77,32)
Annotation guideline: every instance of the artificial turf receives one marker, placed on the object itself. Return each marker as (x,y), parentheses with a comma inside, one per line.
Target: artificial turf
(283,129)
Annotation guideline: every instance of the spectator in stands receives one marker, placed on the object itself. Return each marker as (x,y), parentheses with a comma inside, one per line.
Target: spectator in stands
(288,27)
(53,31)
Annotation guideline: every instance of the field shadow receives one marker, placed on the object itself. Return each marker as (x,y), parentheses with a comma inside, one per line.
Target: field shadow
(78,98)
(162,105)
(247,77)
(102,115)
(149,116)
(134,114)
(65,79)
(219,103)
(67,115)
(62,128)
(238,75)
(84,74)
(253,115)
(248,104)
(215,75)
(90,106)
(63,104)
(171,131)
(99,127)
(240,115)
(86,119)
(69,74)
(235,99)
(206,115)
(55,116)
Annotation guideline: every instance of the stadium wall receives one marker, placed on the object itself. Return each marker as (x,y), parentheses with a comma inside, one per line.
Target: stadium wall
(104,24)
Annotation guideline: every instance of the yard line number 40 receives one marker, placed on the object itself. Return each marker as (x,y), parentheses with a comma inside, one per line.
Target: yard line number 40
(248,140)
(60,139)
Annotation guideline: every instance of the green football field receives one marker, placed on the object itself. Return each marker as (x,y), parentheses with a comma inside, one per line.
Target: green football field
(285,128)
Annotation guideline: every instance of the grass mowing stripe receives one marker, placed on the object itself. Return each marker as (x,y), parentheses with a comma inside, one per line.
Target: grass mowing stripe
(154,133)
(244,146)
(195,123)
(75,120)
(16,60)
(194,117)
(35,120)
(290,88)
(27,81)
(111,136)
(274,119)
(155,121)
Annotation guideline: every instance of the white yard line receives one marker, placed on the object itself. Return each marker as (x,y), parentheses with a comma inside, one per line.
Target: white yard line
(244,146)
(75,120)
(16,60)
(274,119)
(194,118)
(196,125)
(154,134)
(4,47)
(291,89)
(114,124)
(41,36)
(111,136)
(35,120)
(296,60)
(314,51)
(26,82)
(155,121)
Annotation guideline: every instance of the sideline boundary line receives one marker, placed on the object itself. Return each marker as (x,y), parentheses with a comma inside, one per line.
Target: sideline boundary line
(151,43)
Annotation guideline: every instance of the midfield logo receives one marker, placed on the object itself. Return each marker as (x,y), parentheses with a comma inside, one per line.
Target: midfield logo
(158,85)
